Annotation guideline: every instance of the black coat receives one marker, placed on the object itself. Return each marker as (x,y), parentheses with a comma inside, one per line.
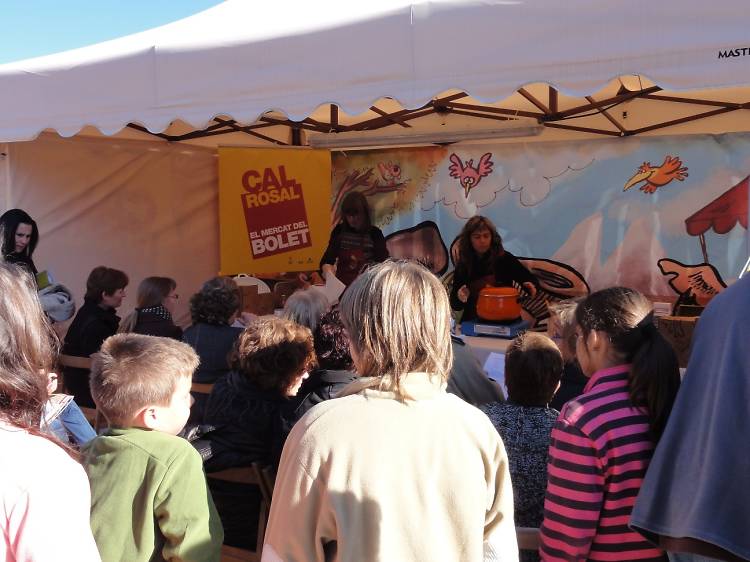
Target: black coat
(212,344)
(572,384)
(500,271)
(249,424)
(90,327)
(24,261)
(152,324)
(322,385)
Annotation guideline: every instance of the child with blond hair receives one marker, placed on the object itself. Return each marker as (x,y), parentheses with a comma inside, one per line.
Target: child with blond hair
(149,499)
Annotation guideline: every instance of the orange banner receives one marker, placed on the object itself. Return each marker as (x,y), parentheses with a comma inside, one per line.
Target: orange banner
(274,209)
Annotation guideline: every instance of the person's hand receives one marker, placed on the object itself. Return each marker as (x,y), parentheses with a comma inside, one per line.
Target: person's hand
(328,269)
(51,382)
(463,294)
(304,280)
(530,288)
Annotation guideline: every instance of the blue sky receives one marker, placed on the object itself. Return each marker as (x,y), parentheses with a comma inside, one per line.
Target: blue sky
(31,28)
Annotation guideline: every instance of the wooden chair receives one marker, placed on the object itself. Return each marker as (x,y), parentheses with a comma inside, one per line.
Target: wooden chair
(267,479)
(528,538)
(201,388)
(244,475)
(96,420)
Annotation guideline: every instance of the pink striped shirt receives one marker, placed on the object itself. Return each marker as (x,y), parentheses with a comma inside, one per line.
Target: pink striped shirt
(600,449)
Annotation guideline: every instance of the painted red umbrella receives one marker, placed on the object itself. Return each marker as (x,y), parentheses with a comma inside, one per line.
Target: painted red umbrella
(721,214)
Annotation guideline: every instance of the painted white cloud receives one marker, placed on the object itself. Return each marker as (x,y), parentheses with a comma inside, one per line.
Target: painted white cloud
(525,172)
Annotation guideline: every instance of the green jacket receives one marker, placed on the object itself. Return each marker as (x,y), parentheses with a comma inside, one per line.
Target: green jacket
(149,499)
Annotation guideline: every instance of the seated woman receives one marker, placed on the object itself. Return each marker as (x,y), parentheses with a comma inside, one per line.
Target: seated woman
(95,321)
(483,262)
(394,468)
(561,327)
(20,236)
(335,366)
(213,309)
(250,411)
(155,303)
(305,307)
(533,366)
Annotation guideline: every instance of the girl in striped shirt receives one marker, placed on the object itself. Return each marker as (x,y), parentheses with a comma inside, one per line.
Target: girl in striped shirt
(603,440)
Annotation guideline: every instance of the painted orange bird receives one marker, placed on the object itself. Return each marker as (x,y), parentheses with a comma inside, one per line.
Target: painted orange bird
(656,177)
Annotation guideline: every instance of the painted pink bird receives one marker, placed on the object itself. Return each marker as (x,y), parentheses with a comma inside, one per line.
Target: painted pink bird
(469,176)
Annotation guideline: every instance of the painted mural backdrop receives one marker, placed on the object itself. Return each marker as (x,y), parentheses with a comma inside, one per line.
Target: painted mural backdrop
(665,215)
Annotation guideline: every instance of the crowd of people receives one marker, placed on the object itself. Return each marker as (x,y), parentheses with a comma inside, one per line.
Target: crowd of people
(388,440)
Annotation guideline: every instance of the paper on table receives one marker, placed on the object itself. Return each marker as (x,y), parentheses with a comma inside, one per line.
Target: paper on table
(332,289)
(495,367)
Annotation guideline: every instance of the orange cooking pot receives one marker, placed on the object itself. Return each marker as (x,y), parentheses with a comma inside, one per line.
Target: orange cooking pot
(498,304)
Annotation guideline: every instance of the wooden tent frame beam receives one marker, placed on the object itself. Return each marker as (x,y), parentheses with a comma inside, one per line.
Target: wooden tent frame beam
(394,120)
(548,115)
(609,118)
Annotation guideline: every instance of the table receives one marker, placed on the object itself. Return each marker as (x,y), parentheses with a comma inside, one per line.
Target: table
(482,346)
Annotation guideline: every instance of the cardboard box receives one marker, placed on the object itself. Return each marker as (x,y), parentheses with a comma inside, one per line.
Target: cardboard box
(251,301)
(678,331)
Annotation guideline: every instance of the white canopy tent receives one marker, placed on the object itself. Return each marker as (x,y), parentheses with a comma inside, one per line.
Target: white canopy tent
(263,73)
(267,64)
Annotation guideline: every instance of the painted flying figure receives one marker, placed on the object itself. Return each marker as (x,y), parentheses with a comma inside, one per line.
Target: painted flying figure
(468,175)
(658,176)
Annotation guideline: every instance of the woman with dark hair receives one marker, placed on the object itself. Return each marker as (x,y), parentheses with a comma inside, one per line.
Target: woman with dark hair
(483,262)
(355,242)
(155,303)
(603,440)
(94,322)
(213,310)
(45,493)
(335,366)
(20,236)
(250,410)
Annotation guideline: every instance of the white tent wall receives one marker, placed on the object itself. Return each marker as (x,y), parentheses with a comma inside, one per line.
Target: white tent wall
(148,208)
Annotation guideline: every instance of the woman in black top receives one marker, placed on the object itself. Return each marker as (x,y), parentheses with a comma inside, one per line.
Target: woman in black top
(250,411)
(483,262)
(156,302)
(355,242)
(20,237)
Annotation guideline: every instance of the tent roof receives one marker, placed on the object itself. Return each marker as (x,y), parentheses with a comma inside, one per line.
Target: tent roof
(722,213)
(242,60)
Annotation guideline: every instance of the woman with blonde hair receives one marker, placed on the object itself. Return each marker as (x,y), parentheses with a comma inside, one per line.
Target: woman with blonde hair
(156,303)
(394,468)
(34,465)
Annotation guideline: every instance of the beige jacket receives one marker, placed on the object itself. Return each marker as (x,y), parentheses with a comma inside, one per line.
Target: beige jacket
(366,477)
